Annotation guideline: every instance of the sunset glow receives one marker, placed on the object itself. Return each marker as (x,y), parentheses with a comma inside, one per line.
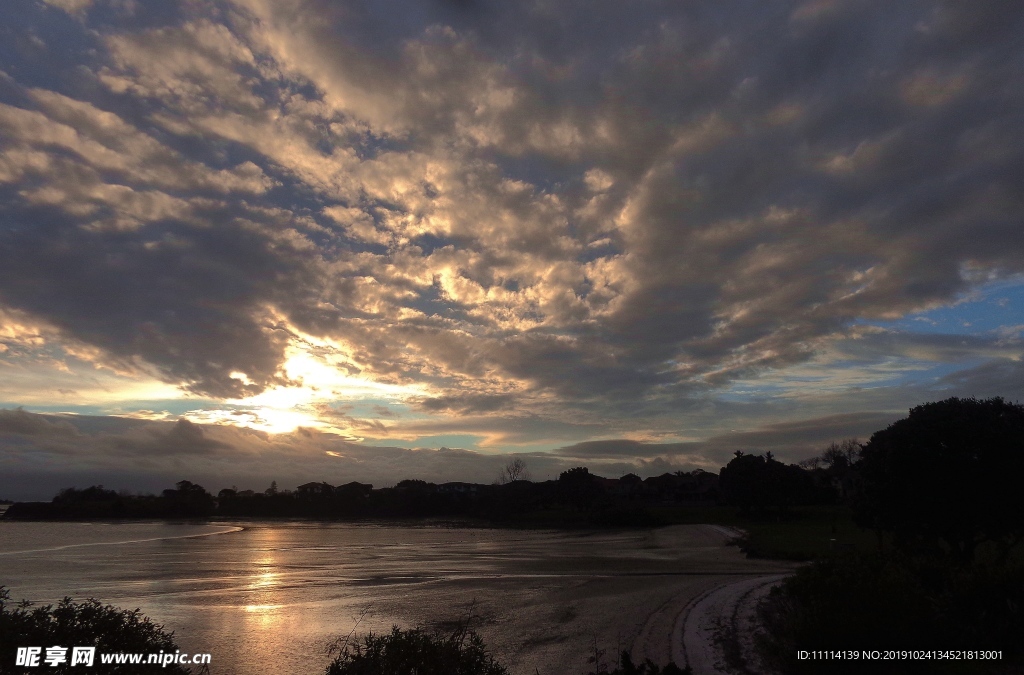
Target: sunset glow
(429,236)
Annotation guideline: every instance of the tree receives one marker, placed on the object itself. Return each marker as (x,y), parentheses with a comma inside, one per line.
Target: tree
(187,487)
(756,483)
(579,487)
(93,493)
(841,455)
(84,624)
(514,470)
(947,477)
(461,652)
(577,474)
(413,483)
(188,499)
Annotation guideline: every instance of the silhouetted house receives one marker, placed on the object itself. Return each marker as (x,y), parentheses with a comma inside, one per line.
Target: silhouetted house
(611,486)
(698,486)
(458,488)
(695,486)
(354,489)
(314,489)
(629,486)
(661,488)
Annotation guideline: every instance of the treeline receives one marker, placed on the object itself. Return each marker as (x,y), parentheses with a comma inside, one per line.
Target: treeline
(756,484)
(577,495)
(760,484)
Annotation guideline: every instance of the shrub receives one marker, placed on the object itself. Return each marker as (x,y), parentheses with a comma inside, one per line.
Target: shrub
(83,624)
(946,478)
(648,667)
(416,652)
(871,602)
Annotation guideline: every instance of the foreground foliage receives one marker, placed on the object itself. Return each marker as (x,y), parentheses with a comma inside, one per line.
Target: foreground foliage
(648,667)
(946,479)
(941,486)
(415,651)
(879,602)
(82,624)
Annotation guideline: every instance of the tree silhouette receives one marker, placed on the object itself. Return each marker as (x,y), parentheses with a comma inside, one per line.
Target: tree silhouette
(841,455)
(514,470)
(947,477)
(86,624)
(758,483)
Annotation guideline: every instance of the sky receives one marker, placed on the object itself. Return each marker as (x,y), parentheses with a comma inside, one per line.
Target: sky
(292,240)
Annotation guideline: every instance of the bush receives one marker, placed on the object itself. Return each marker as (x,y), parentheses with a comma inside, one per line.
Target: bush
(648,667)
(83,624)
(945,479)
(414,651)
(871,602)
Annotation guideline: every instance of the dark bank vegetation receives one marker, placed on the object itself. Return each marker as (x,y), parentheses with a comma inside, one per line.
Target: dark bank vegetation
(577,499)
(625,665)
(940,492)
(400,652)
(83,624)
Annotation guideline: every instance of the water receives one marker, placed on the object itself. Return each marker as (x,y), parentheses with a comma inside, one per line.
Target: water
(268,598)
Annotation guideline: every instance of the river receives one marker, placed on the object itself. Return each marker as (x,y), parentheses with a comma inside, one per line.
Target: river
(266,598)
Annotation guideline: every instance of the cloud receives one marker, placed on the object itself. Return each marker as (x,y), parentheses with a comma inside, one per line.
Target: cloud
(623,448)
(998,377)
(18,421)
(183,438)
(472,403)
(790,441)
(141,454)
(73,7)
(570,217)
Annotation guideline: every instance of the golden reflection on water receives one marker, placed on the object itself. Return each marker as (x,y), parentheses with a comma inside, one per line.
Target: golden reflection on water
(262,617)
(262,611)
(264,578)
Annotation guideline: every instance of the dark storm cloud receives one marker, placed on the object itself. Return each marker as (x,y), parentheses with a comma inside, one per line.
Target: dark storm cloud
(188,300)
(792,437)
(790,441)
(182,438)
(18,421)
(472,403)
(140,455)
(998,377)
(623,448)
(557,204)
(936,347)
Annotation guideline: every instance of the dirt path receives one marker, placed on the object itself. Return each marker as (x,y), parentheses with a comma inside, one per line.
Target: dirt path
(709,625)
(714,635)
(558,614)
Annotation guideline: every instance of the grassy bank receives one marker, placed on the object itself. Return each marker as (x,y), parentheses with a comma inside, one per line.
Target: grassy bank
(800,534)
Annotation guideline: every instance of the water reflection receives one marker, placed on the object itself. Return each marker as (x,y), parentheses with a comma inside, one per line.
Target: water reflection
(262,613)
(268,599)
(264,578)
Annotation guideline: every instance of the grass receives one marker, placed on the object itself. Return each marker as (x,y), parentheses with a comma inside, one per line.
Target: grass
(801,534)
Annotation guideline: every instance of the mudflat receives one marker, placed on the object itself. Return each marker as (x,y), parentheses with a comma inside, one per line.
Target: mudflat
(269,597)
